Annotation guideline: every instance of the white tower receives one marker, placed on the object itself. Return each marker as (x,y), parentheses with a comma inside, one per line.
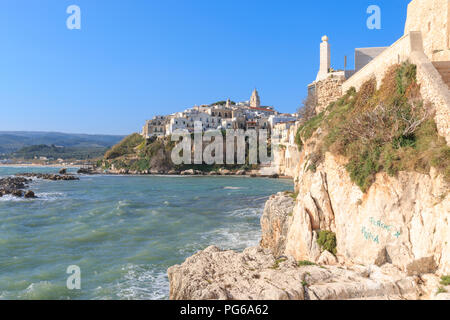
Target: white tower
(325,59)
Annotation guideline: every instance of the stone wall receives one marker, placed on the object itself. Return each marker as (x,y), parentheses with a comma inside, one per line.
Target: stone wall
(431,17)
(397,53)
(434,90)
(328,91)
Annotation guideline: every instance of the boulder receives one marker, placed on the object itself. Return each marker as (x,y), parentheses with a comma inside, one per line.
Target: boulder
(327,258)
(421,266)
(225,172)
(17,193)
(63,171)
(189,172)
(29,195)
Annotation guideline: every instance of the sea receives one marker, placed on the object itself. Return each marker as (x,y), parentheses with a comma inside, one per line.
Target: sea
(121,232)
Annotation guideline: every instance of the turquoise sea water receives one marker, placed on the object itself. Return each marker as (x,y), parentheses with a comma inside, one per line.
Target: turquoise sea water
(122,231)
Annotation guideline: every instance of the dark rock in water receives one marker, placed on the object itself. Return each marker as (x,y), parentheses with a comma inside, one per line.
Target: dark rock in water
(87,171)
(274,176)
(17,193)
(29,195)
(13,186)
(63,171)
(48,176)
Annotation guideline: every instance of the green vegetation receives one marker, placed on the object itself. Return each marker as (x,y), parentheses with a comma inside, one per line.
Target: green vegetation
(11,142)
(441,290)
(291,194)
(389,129)
(134,153)
(305,263)
(445,280)
(327,241)
(276,265)
(125,147)
(222,103)
(53,152)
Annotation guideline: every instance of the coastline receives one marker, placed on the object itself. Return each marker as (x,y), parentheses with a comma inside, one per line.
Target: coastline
(19,165)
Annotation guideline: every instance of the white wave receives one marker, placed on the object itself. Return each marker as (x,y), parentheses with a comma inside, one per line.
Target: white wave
(10,198)
(233,188)
(234,238)
(247,212)
(42,196)
(142,283)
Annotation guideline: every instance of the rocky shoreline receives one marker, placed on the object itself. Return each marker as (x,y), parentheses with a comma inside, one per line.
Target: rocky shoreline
(17,186)
(267,272)
(189,172)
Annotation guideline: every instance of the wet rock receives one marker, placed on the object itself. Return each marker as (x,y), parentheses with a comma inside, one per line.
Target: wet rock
(17,193)
(29,195)
(63,171)
(48,176)
(87,171)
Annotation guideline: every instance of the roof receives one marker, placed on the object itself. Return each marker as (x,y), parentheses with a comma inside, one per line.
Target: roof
(261,109)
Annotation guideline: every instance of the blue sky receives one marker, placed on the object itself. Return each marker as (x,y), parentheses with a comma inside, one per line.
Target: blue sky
(137,58)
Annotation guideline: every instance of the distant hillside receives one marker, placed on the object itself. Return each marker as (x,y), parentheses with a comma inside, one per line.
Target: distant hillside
(54,152)
(14,141)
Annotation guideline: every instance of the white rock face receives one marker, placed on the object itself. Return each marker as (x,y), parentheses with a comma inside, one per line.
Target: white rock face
(403,220)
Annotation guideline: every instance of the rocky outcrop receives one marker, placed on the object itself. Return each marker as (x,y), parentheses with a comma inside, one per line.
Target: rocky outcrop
(392,242)
(401,220)
(275,222)
(256,274)
(49,176)
(15,186)
(89,171)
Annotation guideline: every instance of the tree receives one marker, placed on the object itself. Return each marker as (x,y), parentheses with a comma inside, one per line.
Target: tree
(308,108)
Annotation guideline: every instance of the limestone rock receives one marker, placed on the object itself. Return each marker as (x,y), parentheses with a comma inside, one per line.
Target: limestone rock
(275,222)
(256,275)
(327,258)
(399,220)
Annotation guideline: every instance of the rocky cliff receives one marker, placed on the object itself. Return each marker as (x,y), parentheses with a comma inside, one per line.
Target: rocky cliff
(369,217)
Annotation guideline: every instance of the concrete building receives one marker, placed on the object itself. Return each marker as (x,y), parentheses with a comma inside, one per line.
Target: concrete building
(155,127)
(276,119)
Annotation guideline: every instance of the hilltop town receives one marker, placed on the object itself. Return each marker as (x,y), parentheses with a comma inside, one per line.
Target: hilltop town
(221,115)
